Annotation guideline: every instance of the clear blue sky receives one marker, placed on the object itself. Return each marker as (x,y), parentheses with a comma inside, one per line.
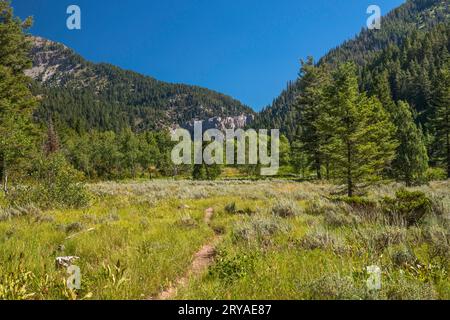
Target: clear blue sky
(248,49)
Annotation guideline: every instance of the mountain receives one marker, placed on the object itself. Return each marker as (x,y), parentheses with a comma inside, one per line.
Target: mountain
(83,95)
(410,47)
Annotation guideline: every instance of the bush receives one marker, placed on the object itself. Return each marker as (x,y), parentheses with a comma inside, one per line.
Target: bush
(438,239)
(56,185)
(333,287)
(322,239)
(258,228)
(74,227)
(317,207)
(340,216)
(410,289)
(403,257)
(388,237)
(15,212)
(356,202)
(230,268)
(286,209)
(409,207)
(436,174)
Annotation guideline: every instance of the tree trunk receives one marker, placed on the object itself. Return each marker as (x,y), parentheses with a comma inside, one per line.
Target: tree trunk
(448,153)
(3,174)
(328,169)
(349,172)
(5,182)
(318,167)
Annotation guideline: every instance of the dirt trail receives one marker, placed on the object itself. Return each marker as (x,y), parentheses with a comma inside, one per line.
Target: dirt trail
(202,260)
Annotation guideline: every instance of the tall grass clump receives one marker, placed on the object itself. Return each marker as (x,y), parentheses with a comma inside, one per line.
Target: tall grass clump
(286,208)
(258,228)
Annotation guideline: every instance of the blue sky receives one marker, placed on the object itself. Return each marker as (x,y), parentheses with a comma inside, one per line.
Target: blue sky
(247,49)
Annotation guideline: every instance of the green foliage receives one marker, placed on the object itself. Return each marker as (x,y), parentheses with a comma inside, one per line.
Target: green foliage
(410,48)
(441,118)
(436,174)
(285,208)
(56,185)
(360,143)
(106,98)
(409,207)
(107,155)
(16,100)
(229,268)
(258,229)
(310,103)
(17,285)
(357,202)
(411,161)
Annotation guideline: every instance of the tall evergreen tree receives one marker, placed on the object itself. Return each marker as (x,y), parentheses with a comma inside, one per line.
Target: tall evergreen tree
(310,103)
(361,143)
(411,162)
(16,100)
(441,118)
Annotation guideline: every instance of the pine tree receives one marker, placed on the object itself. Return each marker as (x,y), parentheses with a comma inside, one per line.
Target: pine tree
(16,100)
(411,162)
(310,103)
(361,143)
(441,118)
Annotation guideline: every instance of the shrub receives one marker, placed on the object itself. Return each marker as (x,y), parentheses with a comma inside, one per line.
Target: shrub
(317,207)
(340,216)
(409,207)
(388,237)
(258,228)
(15,212)
(74,227)
(356,202)
(56,185)
(436,174)
(333,287)
(438,239)
(322,239)
(286,209)
(403,257)
(230,268)
(410,289)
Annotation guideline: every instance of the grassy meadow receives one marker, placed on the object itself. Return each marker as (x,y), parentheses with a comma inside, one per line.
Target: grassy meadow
(272,240)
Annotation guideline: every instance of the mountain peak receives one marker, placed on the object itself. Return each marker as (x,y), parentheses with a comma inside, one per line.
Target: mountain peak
(109,98)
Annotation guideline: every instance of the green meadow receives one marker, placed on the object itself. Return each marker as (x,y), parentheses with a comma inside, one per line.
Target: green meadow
(271,239)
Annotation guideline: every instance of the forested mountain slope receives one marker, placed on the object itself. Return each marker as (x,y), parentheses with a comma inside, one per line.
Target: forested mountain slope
(410,47)
(84,95)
